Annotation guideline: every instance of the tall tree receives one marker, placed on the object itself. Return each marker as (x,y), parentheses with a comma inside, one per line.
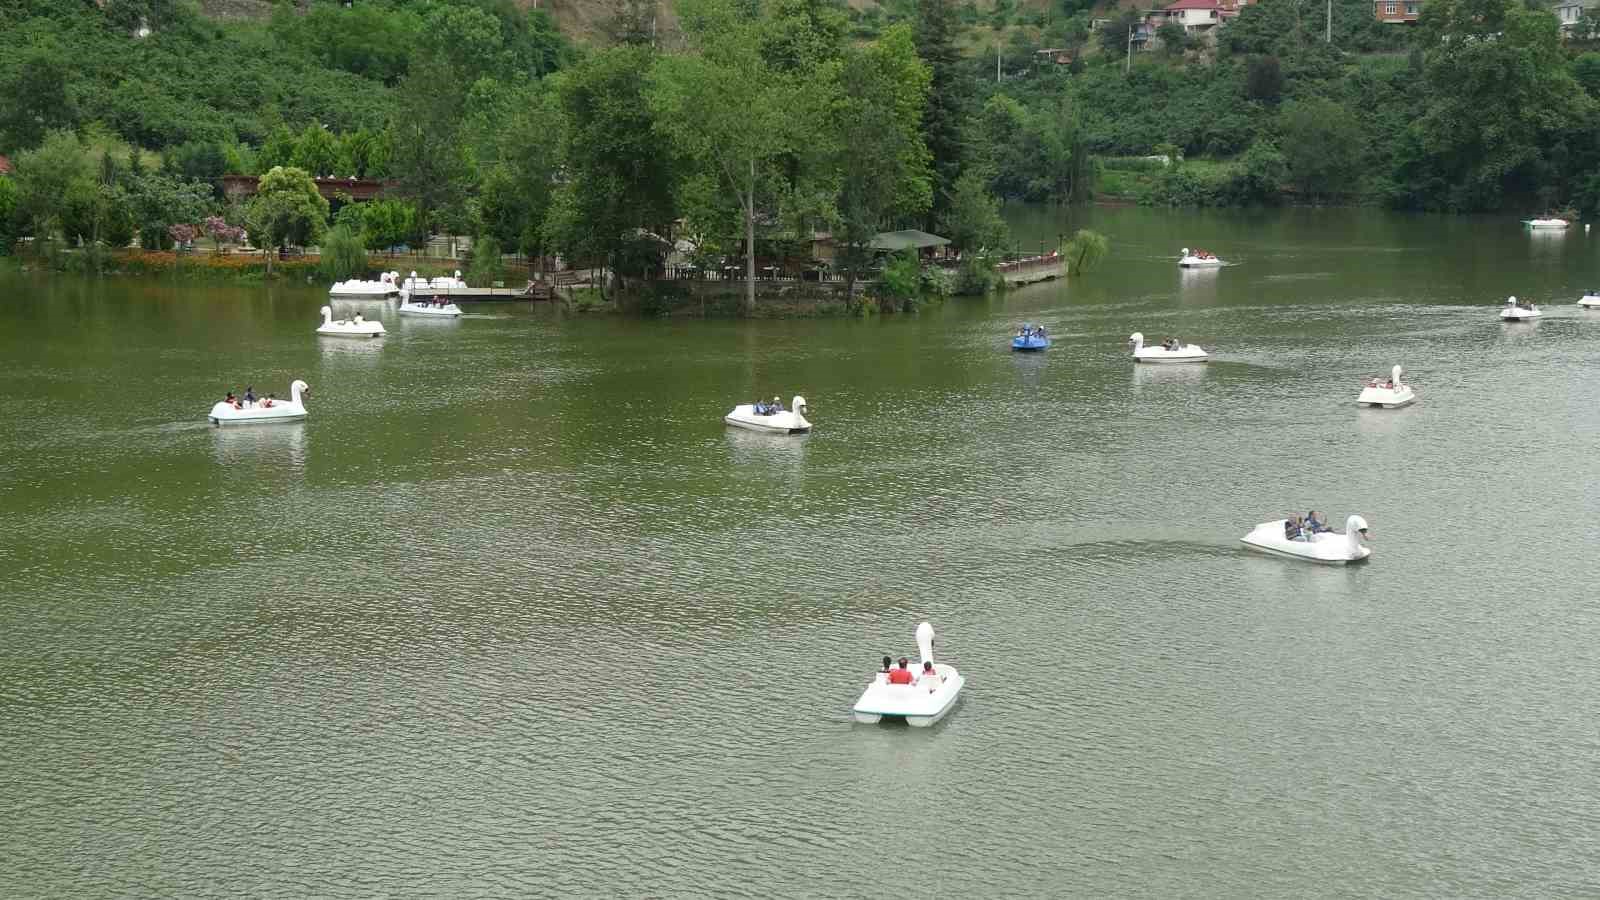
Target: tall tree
(936,31)
(884,166)
(429,158)
(617,179)
(729,108)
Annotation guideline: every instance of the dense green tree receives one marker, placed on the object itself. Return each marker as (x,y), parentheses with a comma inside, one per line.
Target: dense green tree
(617,181)
(35,96)
(317,151)
(158,200)
(1323,146)
(734,115)
(1263,79)
(973,222)
(388,223)
(1500,97)
(944,119)
(430,160)
(47,176)
(9,220)
(884,166)
(287,210)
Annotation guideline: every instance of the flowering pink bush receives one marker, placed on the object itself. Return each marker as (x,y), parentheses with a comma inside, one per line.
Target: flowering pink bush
(223,233)
(182,234)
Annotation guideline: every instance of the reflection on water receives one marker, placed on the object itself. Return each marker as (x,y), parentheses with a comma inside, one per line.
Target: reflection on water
(1198,286)
(254,446)
(756,448)
(339,349)
(1169,373)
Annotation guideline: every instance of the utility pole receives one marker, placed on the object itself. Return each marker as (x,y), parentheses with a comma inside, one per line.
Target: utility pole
(996,62)
(1328,38)
(1128,66)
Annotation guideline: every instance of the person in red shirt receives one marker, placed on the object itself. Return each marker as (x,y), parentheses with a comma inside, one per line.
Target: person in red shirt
(901,675)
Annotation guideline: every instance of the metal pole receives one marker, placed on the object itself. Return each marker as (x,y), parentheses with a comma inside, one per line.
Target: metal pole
(1329,37)
(997,62)
(1128,66)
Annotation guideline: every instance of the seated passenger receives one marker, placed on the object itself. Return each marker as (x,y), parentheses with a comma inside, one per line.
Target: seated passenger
(930,679)
(888,666)
(777,405)
(1314,524)
(1291,528)
(759,408)
(249,396)
(271,398)
(231,400)
(901,675)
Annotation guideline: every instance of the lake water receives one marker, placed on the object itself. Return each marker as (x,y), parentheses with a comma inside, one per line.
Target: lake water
(514,614)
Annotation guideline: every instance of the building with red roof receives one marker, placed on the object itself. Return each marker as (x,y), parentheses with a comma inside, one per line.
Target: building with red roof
(5,164)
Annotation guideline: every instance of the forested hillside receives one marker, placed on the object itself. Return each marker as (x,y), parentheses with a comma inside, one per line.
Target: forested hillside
(746,124)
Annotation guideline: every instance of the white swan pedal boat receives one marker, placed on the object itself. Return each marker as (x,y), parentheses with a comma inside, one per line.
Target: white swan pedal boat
(409,308)
(1186,353)
(263,411)
(355,327)
(1519,312)
(432,287)
(1389,395)
(1326,547)
(384,287)
(1546,224)
(789,421)
(921,703)
(1199,259)
(1590,300)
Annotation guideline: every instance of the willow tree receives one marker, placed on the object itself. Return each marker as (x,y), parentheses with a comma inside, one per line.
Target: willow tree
(737,112)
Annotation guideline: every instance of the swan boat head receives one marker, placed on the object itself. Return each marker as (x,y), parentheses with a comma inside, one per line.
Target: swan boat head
(1355,530)
(1136,340)
(925,641)
(327,315)
(297,390)
(798,406)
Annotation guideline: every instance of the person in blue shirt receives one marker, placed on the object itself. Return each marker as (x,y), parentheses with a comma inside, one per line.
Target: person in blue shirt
(1314,524)
(249,396)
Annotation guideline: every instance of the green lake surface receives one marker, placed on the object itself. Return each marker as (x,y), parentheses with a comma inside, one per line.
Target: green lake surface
(513,613)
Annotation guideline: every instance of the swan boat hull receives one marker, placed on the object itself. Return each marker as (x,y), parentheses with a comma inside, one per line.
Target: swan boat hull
(1546,224)
(1200,262)
(919,708)
(448,311)
(1030,344)
(1387,398)
(1590,301)
(224,414)
(1328,548)
(1188,354)
(786,422)
(365,290)
(1519,315)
